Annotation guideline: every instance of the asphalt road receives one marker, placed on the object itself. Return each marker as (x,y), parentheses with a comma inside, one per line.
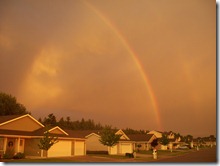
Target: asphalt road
(205,155)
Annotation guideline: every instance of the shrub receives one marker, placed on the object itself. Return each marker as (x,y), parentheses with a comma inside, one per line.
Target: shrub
(7,156)
(130,155)
(19,155)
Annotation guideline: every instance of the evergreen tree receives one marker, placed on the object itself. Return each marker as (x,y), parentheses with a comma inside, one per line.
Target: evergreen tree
(50,120)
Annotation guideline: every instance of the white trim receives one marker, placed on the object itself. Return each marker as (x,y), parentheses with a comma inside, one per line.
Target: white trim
(57,127)
(123,134)
(14,119)
(93,134)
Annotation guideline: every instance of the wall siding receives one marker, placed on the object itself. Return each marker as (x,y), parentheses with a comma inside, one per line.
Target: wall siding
(31,147)
(93,144)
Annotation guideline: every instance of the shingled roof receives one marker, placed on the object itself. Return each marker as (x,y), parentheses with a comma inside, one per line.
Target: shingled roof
(140,137)
(81,133)
(8,117)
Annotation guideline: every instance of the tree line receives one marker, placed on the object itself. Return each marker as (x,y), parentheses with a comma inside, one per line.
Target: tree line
(67,123)
(10,106)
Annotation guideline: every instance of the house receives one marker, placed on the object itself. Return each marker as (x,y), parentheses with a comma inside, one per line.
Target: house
(142,141)
(92,137)
(125,145)
(158,134)
(170,134)
(209,141)
(93,145)
(22,133)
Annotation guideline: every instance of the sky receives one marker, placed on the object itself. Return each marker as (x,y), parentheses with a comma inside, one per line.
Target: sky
(146,64)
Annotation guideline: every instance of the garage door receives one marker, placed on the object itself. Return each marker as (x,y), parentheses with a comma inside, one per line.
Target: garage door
(126,148)
(79,148)
(60,149)
(113,150)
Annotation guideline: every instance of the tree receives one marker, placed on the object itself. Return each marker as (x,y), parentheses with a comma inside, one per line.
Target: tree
(47,142)
(50,120)
(154,143)
(10,106)
(164,140)
(188,139)
(108,137)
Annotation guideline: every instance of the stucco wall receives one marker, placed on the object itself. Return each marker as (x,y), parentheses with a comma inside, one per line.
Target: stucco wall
(93,144)
(1,146)
(31,147)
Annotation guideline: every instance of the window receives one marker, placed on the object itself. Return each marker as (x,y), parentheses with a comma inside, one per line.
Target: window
(21,142)
(1,143)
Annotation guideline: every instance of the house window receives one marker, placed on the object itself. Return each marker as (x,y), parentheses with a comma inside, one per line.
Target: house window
(1,143)
(21,142)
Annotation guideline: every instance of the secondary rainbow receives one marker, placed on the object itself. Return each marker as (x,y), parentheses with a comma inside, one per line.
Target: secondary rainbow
(134,56)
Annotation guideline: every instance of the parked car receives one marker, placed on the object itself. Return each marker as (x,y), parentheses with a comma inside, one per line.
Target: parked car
(183,147)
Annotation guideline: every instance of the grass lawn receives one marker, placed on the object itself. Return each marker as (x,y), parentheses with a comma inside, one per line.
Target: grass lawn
(168,152)
(44,160)
(108,156)
(144,156)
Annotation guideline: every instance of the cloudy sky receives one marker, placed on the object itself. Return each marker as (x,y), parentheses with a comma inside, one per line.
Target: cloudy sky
(146,64)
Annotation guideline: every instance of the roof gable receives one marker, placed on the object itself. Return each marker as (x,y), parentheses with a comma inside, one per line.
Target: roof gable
(82,133)
(20,123)
(158,134)
(93,134)
(123,135)
(57,130)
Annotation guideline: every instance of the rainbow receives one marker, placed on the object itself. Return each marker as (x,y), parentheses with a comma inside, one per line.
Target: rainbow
(135,58)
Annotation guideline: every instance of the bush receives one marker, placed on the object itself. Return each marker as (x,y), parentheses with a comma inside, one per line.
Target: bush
(19,155)
(7,156)
(130,155)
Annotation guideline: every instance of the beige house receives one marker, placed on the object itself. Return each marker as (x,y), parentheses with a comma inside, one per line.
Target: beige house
(92,140)
(142,141)
(125,144)
(158,134)
(93,145)
(21,133)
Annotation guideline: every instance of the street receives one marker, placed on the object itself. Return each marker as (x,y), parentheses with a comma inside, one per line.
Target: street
(204,155)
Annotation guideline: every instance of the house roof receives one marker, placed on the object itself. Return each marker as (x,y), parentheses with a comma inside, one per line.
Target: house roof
(140,137)
(8,118)
(81,133)
(167,132)
(155,131)
(40,132)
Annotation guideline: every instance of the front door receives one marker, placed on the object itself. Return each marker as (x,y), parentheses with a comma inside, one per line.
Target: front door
(10,146)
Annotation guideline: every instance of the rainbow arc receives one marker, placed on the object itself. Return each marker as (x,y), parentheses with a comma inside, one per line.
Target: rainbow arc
(134,57)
